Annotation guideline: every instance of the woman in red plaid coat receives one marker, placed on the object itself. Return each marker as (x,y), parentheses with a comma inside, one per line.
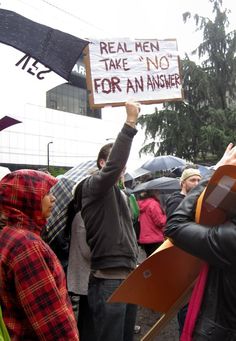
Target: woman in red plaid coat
(33,294)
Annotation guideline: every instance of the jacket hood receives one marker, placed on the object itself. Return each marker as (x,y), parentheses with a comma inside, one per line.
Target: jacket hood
(21,194)
(144,203)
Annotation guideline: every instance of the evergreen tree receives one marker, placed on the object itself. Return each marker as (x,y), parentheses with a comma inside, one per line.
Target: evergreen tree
(199,128)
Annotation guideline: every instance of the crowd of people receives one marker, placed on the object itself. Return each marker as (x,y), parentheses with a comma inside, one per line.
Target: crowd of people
(42,301)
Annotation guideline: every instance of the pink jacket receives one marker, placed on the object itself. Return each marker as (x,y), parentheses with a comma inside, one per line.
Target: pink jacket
(152,221)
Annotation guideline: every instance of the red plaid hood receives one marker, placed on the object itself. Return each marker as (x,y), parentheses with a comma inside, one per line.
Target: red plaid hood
(21,194)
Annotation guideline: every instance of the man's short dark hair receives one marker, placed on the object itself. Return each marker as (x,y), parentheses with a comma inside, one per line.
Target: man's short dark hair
(104,153)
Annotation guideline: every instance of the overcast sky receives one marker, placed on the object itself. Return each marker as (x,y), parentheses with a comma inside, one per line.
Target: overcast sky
(106,19)
(125,18)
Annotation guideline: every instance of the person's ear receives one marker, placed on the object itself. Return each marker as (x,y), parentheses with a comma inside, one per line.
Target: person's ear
(102,163)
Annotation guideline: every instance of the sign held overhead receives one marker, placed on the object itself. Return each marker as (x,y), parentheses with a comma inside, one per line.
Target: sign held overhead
(146,70)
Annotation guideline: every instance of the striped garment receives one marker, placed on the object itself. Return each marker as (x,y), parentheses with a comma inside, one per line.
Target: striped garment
(33,293)
(63,193)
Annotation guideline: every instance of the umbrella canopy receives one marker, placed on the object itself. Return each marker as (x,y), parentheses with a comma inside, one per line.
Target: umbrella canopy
(164,185)
(131,175)
(63,193)
(163,163)
(204,170)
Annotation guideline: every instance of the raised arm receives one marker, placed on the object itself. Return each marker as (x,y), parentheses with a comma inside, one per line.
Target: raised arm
(112,169)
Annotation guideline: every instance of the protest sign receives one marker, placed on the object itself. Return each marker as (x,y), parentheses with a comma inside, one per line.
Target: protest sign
(145,70)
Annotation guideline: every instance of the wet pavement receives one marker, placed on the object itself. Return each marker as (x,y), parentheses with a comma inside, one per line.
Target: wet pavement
(147,318)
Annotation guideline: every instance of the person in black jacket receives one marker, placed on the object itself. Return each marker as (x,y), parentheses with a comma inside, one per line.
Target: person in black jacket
(110,235)
(216,245)
(189,179)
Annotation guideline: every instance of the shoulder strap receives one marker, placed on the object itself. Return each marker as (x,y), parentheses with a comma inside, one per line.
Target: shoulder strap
(74,206)
(78,196)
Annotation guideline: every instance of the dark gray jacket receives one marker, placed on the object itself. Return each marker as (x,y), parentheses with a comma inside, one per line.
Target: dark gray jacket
(106,215)
(173,201)
(217,246)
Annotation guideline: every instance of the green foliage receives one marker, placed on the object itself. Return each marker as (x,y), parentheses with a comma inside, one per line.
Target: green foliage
(199,128)
(218,50)
(55,171)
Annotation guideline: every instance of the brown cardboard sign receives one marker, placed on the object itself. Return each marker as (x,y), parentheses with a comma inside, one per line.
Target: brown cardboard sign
(217,203)
(160,280)
(144,70)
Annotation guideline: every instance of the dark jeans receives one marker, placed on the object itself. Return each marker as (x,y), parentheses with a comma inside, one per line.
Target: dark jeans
(112,321)
(181,317)
(150,248)
(85,320)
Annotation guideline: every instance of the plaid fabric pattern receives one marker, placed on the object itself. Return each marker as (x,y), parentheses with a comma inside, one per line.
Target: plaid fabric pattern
(33,293)
(63,193)
(33,290)
(21,194)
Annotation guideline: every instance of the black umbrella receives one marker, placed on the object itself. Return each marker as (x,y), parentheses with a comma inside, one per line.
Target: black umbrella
(204,170)
(163,185)
(131,175)
(55,49)
(163,163)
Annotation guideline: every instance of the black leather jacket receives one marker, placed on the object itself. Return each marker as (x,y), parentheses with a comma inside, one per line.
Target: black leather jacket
(217,246)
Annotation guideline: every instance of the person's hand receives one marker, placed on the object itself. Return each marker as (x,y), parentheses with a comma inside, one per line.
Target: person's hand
(229,157)
(132,111)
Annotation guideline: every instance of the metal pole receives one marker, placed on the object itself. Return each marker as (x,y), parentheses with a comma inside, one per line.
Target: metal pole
(48,153)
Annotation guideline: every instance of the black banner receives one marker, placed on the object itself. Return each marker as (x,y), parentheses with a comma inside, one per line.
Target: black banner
(55,49)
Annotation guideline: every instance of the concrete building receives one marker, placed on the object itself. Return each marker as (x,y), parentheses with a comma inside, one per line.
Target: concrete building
(58,127)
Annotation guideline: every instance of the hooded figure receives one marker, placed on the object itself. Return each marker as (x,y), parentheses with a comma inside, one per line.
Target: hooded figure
(152,220)
(33,294)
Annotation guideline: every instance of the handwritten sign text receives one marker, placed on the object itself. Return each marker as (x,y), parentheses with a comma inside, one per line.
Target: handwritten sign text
(144,70)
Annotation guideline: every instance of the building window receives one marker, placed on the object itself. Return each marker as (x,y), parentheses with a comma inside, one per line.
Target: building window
(70,98)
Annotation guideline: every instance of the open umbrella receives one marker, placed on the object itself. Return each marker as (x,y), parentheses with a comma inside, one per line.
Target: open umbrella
(164,185)
(63,193)
(136,173)
(204,170)
(163,163)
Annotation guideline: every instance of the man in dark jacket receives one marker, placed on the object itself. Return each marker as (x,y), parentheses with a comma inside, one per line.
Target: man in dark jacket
(189,179)
(111,236)
(216,245)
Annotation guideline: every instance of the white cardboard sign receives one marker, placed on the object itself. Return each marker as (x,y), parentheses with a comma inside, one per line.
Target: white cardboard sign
(143,70)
